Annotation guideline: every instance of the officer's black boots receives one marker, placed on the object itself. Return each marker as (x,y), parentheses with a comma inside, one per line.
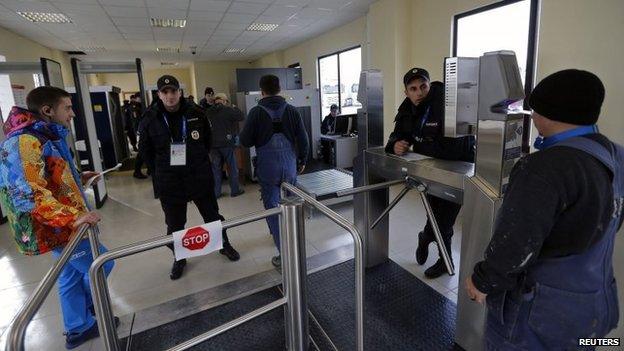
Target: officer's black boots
(439,268)
(229,252)
(422,252)
(177,269)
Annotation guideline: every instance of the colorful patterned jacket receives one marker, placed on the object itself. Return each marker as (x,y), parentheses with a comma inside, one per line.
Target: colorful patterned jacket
(39,183)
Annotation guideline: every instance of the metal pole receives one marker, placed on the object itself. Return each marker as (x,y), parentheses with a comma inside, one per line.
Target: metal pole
(227,326)
(391,206)
(436,231)
(358,255)
(99,288)
(294,273)
(17,328)
(365,188)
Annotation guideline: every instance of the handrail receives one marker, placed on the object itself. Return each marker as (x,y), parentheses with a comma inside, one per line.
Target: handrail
(358,257)
(17,329)
(99,287)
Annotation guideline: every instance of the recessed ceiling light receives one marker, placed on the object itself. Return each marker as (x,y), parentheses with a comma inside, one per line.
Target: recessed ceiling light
(92,48)
(168,23)
(45,17)
(234,51)
(169,63)
(169,50)
(262,27)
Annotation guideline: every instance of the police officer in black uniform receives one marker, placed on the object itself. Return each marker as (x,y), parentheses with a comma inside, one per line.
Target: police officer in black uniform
(175,138)
(419,124)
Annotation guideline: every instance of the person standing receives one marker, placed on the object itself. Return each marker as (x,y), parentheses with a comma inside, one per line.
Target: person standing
(208,99)
(548,269)
(224,120)
(42,191)
(276,130)
(136,111)
(175,138)
(419,125)
(126,110)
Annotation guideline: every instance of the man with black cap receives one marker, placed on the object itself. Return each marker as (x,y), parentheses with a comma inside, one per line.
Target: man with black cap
(208,99)
(328,126)
(175,137)
(548,270)
(419,124)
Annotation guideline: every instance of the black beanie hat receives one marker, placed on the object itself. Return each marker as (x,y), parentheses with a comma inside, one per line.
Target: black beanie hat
(570,96)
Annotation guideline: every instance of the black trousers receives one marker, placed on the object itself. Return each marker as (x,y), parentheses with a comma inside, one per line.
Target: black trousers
(138,163)
(132,136)
(445,213)
(175,215)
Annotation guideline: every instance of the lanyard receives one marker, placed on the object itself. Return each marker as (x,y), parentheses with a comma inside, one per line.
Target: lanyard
(543,143)
(183,128)
(423,121)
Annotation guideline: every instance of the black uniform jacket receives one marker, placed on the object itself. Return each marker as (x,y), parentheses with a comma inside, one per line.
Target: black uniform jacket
(423,127)
(177,183)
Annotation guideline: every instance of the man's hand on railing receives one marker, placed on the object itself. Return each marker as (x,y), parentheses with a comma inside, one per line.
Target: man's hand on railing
(85,176)
(88,218)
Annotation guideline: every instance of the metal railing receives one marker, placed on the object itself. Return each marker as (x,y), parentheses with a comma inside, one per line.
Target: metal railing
(17,329)
(358,256)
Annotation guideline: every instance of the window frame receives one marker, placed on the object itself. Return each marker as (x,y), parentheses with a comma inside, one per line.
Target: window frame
(318,65)
(531,63)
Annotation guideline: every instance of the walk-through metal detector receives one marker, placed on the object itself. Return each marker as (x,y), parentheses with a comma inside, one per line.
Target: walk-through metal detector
(80,71)
(50,73)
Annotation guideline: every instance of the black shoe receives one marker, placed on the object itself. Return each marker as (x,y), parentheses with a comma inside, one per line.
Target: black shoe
(276,261)
(240,192)
(73,340)
(436,270)
(422,252)
(139,175)
(230,252)
(177,269)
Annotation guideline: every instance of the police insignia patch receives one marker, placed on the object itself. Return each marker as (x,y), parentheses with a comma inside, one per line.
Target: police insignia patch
(195,135)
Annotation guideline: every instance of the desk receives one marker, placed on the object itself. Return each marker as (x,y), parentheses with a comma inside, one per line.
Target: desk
(339,151)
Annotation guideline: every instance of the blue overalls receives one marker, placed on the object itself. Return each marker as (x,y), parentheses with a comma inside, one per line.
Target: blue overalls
(73,282)
(567,298)
(276,163)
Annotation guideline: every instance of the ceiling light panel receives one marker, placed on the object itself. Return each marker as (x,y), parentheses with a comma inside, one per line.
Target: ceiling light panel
(168,23)
(262,27)
(92,48)
(169,50)
(45,17)
(169,63)
(233,51)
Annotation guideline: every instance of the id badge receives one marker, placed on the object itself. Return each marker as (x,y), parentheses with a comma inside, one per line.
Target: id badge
(178,154)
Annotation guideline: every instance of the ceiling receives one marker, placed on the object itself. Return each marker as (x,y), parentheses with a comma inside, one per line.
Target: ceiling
(122,27)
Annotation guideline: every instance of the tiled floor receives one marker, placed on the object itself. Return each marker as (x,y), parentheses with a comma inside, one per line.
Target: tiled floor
(132,214)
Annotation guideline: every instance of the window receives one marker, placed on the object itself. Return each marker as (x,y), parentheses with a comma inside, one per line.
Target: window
(339,75)
(37,78)
(516,27)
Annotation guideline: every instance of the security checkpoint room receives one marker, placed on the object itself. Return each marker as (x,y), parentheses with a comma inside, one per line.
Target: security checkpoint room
(384,174)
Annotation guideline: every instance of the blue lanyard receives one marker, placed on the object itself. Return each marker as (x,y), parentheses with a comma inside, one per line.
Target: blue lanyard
(183,128)
(543,143)
(423,121)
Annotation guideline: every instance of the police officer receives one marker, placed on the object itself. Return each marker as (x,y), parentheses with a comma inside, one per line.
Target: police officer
(175,141)
(419,124)
(276,129)
(328,126)
(552,249)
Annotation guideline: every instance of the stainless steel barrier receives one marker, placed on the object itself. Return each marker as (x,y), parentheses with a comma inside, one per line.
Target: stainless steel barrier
(358,256)
(17,329)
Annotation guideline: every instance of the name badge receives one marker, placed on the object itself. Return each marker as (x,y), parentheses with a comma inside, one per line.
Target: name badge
(178,154)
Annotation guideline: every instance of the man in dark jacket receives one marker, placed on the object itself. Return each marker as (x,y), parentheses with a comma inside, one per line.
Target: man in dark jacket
(208,100)
(136,114)
(419,124)
(328,126)
(548,270)
(224,120)
(175,141)
(276,130)
(129,127)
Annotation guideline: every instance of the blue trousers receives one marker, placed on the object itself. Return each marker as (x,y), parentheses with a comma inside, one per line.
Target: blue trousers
(217,157)
(74,290)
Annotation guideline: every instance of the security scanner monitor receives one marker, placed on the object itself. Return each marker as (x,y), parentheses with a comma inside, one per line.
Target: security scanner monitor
(342,124)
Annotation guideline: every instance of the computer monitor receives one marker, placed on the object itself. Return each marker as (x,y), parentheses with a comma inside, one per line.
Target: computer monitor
(342,124)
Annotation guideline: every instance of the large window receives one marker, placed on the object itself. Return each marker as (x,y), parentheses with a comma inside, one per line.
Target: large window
(339,75)
(507,25)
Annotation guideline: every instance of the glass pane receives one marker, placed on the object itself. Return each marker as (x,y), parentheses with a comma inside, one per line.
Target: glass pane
(475,35)
(350,67)
(328,85)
